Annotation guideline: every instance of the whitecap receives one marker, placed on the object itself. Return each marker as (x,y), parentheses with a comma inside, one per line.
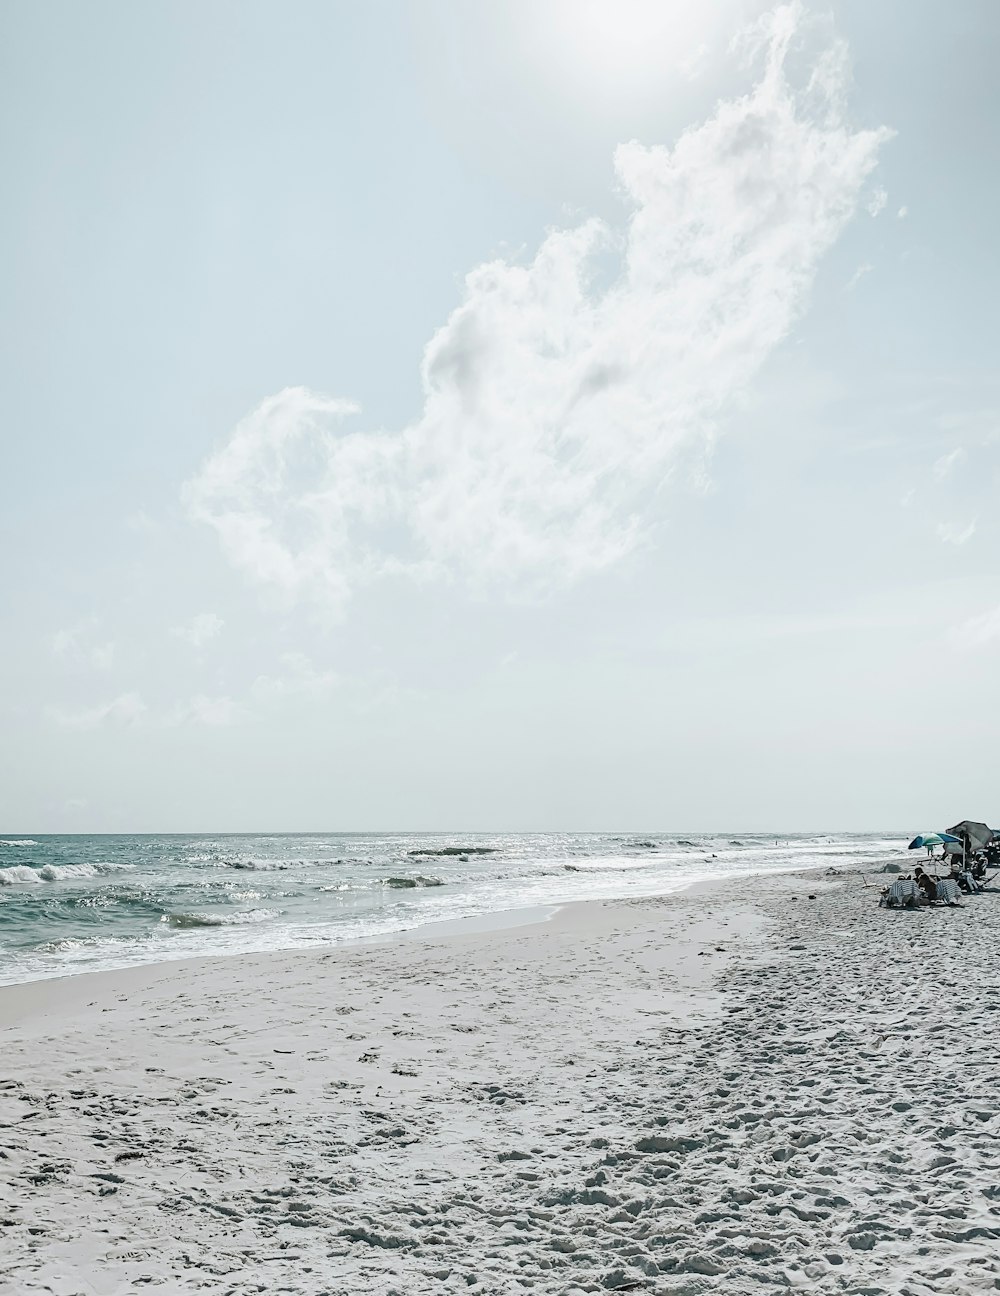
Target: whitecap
(257,865)
(57,872)
(406,883)
(240,919)
(64,872)
(18,841)
(18,873)
(60,872)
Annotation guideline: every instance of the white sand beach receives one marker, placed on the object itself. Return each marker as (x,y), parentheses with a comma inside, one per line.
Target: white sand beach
(764,1085)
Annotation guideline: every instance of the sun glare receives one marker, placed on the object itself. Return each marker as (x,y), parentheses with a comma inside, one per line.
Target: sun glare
(624,44)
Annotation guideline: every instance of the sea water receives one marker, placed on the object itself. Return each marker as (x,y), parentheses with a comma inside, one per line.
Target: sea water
(77,904)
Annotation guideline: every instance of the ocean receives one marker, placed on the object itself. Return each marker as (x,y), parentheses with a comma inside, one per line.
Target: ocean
(71,904)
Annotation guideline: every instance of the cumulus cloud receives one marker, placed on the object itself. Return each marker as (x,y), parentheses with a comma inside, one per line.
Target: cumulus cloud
(556,406)
(200,629)
(877,201)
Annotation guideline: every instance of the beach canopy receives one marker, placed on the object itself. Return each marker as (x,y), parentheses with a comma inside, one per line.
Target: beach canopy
(931,839)
(978,833)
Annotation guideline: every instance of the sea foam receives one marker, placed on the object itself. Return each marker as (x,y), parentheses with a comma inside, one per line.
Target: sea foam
(122,900)
(63,872)
(219,920)
(17,873)
(57,872)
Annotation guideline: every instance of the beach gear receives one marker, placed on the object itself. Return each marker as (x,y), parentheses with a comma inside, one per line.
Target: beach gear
(979,834)
(947,890)
(903,894)
(930,840)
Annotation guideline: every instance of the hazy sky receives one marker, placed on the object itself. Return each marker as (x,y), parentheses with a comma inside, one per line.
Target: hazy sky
(562,414)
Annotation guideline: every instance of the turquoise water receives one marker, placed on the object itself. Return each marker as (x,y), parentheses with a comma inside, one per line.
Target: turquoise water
(76,904)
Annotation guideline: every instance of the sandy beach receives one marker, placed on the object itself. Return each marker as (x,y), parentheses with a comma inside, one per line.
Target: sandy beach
(752,1086)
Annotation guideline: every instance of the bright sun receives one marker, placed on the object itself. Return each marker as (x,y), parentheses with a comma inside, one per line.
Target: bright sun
(610,44)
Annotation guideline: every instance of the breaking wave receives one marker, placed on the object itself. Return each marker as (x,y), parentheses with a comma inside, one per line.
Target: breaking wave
(56,872)
(241,919)
(17,873)
(258,865)
(18,841)
(75,903)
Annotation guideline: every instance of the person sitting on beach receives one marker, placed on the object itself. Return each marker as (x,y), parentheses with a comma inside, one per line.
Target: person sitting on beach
(965,878)
(925,882)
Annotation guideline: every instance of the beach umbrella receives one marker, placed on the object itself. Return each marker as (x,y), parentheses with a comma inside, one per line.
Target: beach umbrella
(977,833)
(930,840)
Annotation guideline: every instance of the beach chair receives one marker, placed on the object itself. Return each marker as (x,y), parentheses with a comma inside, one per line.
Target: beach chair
(902,894)
(946,889)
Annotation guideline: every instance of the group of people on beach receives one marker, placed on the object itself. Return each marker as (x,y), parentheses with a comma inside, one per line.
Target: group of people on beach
(966,860)
(966,880)
(968,863)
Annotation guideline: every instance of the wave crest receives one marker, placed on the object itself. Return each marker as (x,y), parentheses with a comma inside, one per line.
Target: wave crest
(245,917)
(57,872)
(17,873)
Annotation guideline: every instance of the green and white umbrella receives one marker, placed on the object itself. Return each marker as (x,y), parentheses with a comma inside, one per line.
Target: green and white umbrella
(930,840)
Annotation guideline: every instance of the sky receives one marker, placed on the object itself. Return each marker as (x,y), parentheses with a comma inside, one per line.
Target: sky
(566,415)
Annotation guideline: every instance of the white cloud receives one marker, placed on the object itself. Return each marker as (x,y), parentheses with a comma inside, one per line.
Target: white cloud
(102,655)
(942,467)
(865,268)
(212,711)
(200,629)
(692,65)
(903,213)
(64,641)
(78,645)
(877,201)
(954,533)
(299,678)
(556,409)
(977,631)
(127,709)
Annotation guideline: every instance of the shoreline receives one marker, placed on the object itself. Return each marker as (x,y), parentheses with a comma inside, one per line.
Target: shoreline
(488,920)
(21,999)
